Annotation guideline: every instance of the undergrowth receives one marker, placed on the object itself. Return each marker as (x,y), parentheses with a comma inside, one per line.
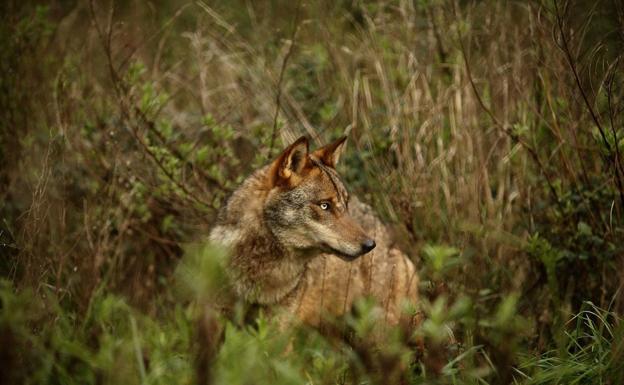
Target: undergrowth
(486,134)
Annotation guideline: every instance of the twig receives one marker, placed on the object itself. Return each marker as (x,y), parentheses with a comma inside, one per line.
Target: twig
(106,42)
(566,50)
(514,137)
(293,35)
(152,128)
(167,173)
(121,92)
(618,156)
(436,33)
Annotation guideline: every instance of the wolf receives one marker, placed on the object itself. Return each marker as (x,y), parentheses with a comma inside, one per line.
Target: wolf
(299,242)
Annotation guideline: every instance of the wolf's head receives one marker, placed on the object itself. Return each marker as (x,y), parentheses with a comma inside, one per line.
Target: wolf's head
(307,207)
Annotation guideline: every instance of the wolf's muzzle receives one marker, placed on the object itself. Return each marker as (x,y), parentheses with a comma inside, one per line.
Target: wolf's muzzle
(368,245)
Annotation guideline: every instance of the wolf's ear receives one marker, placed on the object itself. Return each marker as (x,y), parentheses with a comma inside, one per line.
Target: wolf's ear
(330,154)
(290,163)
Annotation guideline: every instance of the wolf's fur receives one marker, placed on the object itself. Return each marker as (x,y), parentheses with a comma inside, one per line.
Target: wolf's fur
(294,236)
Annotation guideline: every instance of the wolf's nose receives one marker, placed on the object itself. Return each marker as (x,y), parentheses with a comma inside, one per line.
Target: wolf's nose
(368,245)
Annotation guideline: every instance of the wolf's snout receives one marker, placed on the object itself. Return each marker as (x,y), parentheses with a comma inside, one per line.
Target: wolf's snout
(368,245)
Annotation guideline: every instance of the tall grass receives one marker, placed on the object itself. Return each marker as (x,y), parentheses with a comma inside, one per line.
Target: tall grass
(488,135)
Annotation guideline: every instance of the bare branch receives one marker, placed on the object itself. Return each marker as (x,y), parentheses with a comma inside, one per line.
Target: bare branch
(293,35)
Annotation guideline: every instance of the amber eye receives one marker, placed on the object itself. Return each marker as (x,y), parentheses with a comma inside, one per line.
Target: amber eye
(324,206)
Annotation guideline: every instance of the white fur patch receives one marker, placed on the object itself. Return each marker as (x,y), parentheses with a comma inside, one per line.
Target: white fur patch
(225,235)
(289,214)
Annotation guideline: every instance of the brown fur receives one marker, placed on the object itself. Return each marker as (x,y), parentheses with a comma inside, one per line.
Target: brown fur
(295,238)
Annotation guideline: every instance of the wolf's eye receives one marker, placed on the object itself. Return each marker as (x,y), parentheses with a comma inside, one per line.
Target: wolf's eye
(324,206)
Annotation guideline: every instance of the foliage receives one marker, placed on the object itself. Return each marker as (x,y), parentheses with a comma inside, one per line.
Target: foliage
(487,134)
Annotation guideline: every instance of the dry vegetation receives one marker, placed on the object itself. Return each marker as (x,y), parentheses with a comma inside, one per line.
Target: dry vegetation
(489,134)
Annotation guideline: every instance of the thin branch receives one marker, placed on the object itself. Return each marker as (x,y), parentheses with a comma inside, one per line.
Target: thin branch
(105,38)
(614,158)
(617,156)
(152,128)
(293,35)
(438,37)
(514,137)
(566,50)
(121,92)
(168,173)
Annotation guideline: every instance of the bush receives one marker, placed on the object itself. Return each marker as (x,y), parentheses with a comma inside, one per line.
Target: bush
(487,134)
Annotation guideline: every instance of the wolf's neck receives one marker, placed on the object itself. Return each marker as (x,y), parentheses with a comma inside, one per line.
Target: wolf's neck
(262,270)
